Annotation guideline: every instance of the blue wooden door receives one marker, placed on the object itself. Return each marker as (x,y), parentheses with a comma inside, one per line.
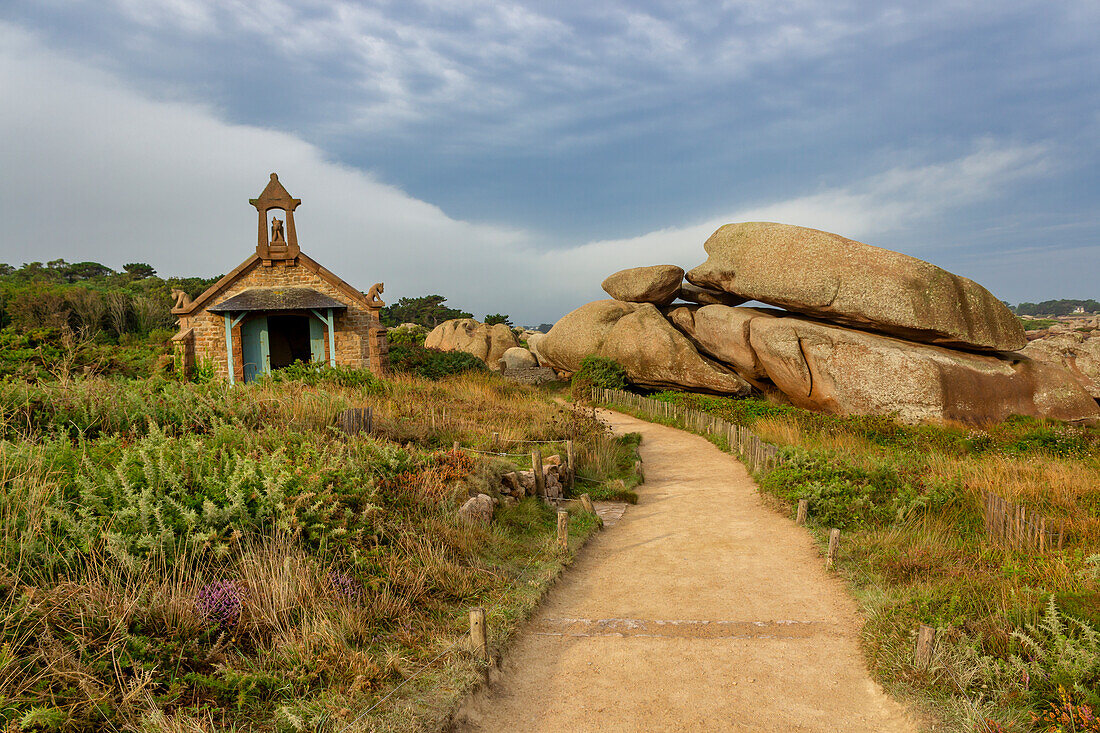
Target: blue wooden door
(255,348)
(316,340)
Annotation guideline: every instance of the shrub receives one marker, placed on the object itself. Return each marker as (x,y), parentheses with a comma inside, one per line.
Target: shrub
(599,371)
(432,363)
(413,334)
(318,373)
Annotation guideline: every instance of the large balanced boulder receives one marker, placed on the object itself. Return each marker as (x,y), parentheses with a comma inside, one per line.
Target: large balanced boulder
(518,357)
(855,284)
(487,343)
(658,284)
(1076,352)
(840,370)
(637,336)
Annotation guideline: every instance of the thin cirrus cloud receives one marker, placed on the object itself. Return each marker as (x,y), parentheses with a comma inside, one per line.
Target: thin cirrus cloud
(102,172)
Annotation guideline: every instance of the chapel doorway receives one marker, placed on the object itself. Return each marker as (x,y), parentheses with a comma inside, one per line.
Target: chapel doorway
(289,338)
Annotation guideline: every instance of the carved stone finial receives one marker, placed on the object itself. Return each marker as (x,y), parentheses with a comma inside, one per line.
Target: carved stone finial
(372,294)
(183,300)
(277,231)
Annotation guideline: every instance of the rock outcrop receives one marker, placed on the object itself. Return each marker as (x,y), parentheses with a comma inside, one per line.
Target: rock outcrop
(637,336)
(866,331)
(706,296)
(1076,352)
(855,284)
(487,343)
(723,333)
(659,284)
(849,372)
(533,345)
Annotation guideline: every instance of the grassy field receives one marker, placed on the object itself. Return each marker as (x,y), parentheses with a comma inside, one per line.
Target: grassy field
(1018,631)
(193,557)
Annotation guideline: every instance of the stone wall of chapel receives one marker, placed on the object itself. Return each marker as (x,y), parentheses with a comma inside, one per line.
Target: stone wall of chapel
(355,329)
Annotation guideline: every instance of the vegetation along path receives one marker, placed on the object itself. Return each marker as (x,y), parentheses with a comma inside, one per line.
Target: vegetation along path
(700,610)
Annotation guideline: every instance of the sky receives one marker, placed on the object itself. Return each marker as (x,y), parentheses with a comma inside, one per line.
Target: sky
(511,155)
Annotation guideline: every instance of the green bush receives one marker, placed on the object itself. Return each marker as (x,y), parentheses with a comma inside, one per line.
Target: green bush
(432,363)
(408,335)
(319,373)
(599,371)
(843,495)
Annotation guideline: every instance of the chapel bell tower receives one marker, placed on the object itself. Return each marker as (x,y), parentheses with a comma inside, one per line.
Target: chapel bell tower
(281,242)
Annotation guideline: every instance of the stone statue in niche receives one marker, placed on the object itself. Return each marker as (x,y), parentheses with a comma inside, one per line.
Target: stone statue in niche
(277,231)
(372,294)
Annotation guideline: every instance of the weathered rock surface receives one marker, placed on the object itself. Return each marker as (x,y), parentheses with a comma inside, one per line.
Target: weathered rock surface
(487,343)
(856,284)
(658,284)
(722,332)
(843,371)
(518,357)
(1076,352)
(533,345)
(478,510)
(706,296)
(637,336)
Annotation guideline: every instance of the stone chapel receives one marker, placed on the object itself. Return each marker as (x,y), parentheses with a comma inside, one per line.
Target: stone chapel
(277,307)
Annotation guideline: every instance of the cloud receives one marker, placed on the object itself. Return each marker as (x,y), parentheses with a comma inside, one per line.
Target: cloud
(99,172)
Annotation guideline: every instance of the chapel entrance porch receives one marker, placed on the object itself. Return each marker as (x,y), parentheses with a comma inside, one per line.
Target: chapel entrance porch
(278,326)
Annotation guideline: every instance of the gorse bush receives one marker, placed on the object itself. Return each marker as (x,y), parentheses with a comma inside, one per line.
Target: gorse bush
(845,495)
(316,373)
(411,358)
(408,334)
(599,371)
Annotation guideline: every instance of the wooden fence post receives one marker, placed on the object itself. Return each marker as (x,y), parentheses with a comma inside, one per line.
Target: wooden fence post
(803,506)
(456,446)
(496,441)
(834,544)
(563,530)
(479,636)
(926,642)
(540,477)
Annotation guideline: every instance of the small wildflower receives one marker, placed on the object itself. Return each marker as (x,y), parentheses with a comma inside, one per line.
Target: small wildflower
(220,603)
(346,586)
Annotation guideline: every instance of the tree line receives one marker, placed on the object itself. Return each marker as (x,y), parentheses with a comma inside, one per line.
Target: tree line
(1056,307)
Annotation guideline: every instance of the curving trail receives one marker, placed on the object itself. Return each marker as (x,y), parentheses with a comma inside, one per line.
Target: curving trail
(700,610)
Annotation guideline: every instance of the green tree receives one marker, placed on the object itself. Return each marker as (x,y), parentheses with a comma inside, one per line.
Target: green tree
(139,270)
(495,318)
(427,310)
(545,327)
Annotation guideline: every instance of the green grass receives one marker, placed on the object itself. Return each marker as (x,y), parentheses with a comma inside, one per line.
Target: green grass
(1037,324)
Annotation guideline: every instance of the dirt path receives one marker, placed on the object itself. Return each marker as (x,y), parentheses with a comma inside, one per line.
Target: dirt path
(701,610)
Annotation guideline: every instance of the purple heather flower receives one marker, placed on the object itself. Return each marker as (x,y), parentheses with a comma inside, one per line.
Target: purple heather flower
(345,586)
(220,603)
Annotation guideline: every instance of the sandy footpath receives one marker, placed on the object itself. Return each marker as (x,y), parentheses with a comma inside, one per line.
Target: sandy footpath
(700,610)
